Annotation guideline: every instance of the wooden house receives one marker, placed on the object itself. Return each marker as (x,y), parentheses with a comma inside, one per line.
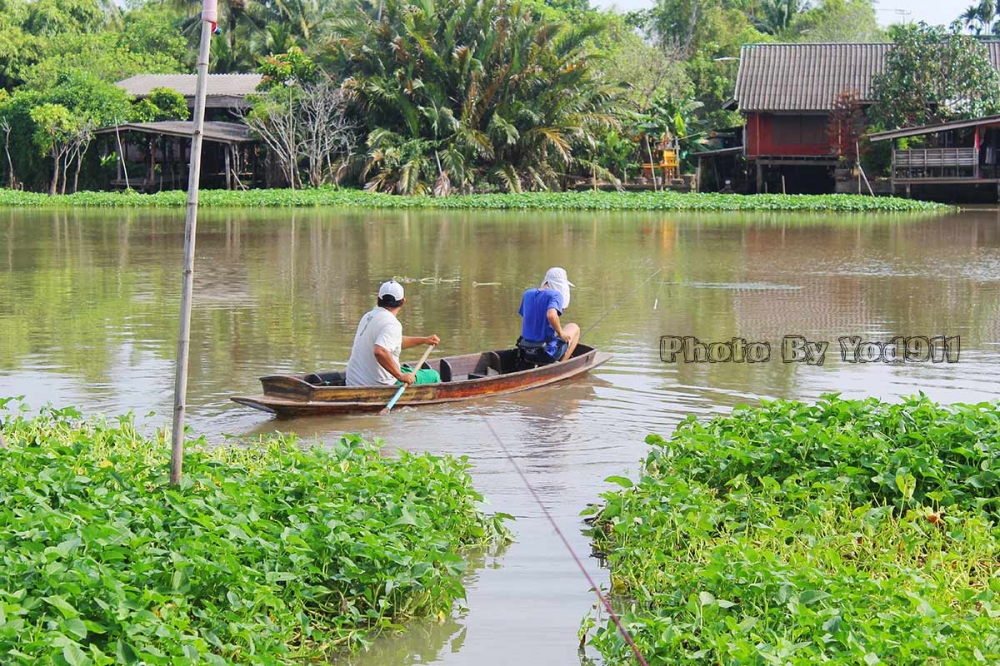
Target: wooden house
(961,157)
(788,93)
(155,156)
(224,92)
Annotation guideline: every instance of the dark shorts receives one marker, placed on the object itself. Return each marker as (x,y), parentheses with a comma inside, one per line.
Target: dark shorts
(561,347)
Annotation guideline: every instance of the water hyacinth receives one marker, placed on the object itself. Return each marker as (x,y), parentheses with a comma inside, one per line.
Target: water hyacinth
(840,532)
(266,554)
(568,201)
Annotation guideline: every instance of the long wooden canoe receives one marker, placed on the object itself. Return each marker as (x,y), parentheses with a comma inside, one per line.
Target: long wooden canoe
(462,377)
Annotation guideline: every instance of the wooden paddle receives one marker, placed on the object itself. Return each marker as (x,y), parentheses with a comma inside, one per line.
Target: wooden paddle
(420,363)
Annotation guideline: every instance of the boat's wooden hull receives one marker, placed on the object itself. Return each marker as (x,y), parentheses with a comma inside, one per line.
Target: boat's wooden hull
(493,374)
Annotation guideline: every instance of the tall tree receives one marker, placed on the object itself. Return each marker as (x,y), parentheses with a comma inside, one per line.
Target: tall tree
(774,17)
(242,24)
(981,18)
(54,131)
(836,21)
(706,36)
(933,75)
(459,91)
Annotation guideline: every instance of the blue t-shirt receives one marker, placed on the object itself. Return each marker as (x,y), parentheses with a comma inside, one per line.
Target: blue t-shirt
(535,305)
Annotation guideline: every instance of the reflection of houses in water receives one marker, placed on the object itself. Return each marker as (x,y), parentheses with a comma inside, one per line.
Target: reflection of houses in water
(829,299)
(825,306)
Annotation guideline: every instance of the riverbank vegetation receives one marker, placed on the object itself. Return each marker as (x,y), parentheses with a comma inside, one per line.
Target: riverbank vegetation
(267,554)
(840,532)
(420,98)
(328,196)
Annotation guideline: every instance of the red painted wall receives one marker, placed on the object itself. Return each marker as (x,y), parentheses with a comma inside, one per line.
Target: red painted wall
(793,135)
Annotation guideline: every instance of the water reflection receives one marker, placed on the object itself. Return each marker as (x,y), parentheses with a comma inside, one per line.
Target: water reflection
(425,640)
(88,316)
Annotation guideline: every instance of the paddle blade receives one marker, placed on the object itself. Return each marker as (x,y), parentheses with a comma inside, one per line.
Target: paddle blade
(383,411)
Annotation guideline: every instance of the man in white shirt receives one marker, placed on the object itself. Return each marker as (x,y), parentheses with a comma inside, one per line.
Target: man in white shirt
(375,354)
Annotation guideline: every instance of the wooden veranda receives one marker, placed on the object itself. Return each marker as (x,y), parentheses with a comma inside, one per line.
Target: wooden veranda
(155,156)
(962,152)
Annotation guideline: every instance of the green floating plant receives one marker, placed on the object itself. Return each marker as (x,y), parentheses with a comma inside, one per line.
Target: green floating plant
(555,201)
(267,553)
(839,532)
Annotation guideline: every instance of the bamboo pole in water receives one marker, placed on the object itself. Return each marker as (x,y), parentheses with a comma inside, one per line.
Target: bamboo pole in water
(209,17)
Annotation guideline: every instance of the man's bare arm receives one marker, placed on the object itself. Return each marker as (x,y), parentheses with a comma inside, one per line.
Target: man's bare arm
(385,359)
(410,341)
(553,317)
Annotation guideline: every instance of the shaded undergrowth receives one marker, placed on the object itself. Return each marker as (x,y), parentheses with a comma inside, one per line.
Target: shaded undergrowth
(266,554)
(841,532)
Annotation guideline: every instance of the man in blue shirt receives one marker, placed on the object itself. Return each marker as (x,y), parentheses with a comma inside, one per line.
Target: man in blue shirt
(541,310)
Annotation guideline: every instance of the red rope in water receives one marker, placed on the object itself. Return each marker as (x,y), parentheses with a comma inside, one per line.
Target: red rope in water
(604,600)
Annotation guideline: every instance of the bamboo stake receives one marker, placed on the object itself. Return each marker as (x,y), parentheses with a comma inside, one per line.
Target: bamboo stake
(652,166)
(861,169)
(121,155)
(209,16)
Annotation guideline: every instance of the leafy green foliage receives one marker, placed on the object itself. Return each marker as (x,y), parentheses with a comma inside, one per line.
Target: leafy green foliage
(266,554)
(326,196)
(53,126)
(838,532)
(91,103)
(161,104)
(460,92)
(932,75)
(29,31)
(836,21)
(287,68)
(706,37)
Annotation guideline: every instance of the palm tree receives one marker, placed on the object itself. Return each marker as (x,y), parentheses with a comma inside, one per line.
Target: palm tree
(242,22)
(462,91)
(981,18)
(774,16)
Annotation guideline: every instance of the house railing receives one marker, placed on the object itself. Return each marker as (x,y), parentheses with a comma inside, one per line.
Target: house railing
(921,164)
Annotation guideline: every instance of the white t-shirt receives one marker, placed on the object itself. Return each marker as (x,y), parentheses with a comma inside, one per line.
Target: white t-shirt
(378,327)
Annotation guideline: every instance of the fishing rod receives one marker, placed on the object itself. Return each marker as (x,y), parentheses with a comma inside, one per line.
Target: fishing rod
(579,563)
(621,302)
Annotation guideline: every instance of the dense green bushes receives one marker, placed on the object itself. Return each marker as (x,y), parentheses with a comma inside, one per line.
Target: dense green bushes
(525,201)
(268,554)
(844,532)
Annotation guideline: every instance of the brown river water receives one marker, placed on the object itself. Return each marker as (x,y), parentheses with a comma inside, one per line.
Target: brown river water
(89,309)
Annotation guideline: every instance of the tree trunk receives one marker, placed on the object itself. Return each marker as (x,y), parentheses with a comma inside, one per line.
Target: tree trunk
(10,163)
(76,175)
(55,173)
(67,158)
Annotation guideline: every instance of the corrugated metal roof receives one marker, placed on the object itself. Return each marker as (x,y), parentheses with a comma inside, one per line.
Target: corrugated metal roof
(224,85)
(934,129)
(808,77)
(215,131)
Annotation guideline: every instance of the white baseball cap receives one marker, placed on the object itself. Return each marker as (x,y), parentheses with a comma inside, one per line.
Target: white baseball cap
(391,288)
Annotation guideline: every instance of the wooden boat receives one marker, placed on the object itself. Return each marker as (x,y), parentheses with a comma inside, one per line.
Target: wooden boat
(462,377)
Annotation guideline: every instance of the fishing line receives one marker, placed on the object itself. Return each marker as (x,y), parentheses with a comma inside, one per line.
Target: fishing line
(621,302)
(656,300)
(603,599)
